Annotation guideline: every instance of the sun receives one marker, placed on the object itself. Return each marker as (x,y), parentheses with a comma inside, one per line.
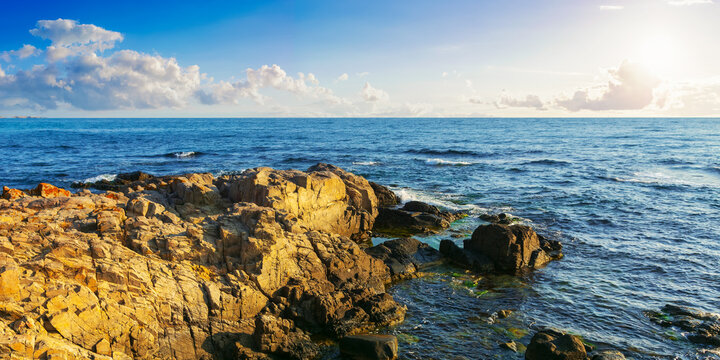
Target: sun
(658,55)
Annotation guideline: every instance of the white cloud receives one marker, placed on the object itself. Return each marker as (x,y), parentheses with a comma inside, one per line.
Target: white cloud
(362,74)
(611,7)
(24,52)
(371,94)
(530,101)
(69,38)
(689,2)
(700,98)
(264,77)
(343,77)
(630,88)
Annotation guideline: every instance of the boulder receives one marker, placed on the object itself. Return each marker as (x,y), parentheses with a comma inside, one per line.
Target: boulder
(385,196)
(405,257)
(702,328)
(47,191)
(554,345)
(414,217)
(510,248)
(12,194)
(369,347)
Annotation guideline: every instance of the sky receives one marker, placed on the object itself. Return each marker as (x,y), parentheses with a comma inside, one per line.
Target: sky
(470,58)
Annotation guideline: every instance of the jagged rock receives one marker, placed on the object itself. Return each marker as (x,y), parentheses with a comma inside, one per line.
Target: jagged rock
(369,347)
(501,218)
(414,217)
(385,196)
(554,345)
(404,257)
(12,194)
(191,266)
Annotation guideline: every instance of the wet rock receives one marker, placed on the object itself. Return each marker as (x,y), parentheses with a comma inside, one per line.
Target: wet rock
(501,218)
(511,248)
(413,218)
(607,355)
(511,345)
(464,258)
(554,345)
(121,182)
(502,314)
(369,347)
(404,257)
(385,196)
(703,328)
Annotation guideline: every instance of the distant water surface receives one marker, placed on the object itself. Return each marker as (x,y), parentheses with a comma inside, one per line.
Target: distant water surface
(635,201)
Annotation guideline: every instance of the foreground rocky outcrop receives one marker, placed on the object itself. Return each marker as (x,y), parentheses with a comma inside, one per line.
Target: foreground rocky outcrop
(503,248)
(193,266)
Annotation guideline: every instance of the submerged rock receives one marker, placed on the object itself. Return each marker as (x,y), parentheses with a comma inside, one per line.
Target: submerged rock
(405,257)
(702,328)
(192,266)
(551,344)
(369,347)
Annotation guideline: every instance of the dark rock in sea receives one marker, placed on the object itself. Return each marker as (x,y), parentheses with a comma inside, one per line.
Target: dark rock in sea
(549,344)
(501,218)
(405,256)
(511,345)
(502,314)
(413,218)
(385,196)
(369,347)
(703,328)
(464,258)
(607,355)
(508,249)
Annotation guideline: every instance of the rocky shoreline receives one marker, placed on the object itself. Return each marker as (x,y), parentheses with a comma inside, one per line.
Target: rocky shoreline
(248,266)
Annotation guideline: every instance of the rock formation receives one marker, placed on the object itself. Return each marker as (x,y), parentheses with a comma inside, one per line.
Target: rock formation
(699,327)
(187,267)
(550,344)
(405,257)
(413,218)
(503,248)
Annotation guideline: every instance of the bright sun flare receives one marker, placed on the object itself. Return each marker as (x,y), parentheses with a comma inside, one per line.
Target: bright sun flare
(658,55)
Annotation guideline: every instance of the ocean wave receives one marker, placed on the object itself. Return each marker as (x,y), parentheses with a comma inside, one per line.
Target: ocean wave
(101,177)
(670,178)
(182,154)
(443,162)
(442,201)
(366,163)
(300,159)
(546,162)
(426,151)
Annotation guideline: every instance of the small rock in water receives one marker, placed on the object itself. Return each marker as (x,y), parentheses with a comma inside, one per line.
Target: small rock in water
(502,314)
(608,355)
(551,344)
(369,347)
(510,346)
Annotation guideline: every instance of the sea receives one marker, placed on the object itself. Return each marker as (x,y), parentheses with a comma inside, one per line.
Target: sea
(635,202)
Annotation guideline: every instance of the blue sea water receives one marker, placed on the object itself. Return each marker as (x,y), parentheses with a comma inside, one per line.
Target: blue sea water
(635,202)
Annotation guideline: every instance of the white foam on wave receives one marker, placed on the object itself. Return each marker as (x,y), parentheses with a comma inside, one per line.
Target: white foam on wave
(443,201)
(366,163)
(672,177)
(438,161)
(185,154)
(108,177)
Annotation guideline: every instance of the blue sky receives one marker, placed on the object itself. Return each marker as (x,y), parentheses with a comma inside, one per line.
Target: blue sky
(369,58)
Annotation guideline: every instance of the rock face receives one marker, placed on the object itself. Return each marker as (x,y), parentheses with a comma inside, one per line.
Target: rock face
(385,196)
(405,257)
(192,266)
(510,249)
(413,218)
(554,345)
(369,347)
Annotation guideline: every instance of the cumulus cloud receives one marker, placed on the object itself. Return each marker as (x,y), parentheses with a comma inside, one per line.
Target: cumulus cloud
(371,94)
(24,52)
(630,88)
(264,77)
(530,101)
(689,2)
(69,38)
(78,74)
(343,77)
